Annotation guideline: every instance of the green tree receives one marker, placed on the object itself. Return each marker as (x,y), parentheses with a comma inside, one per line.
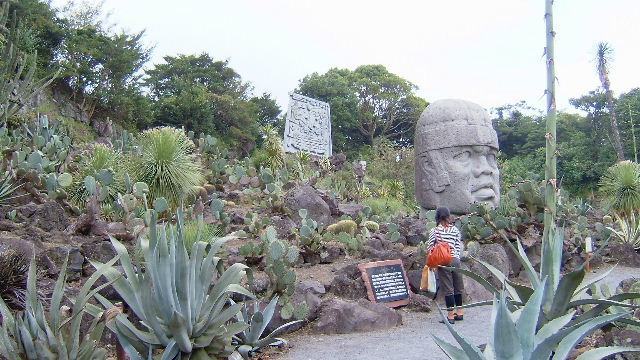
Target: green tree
(603,59)
(208,96)
(366,104)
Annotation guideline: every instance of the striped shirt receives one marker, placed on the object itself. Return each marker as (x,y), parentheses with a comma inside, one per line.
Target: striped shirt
(450,234)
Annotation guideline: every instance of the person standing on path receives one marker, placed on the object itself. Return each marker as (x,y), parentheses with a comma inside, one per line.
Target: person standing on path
(450,282)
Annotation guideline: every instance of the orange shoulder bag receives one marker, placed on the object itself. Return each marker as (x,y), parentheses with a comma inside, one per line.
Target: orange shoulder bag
(440,254)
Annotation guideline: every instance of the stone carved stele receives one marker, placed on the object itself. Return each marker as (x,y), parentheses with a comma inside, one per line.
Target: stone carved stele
(456,148)
(308,126)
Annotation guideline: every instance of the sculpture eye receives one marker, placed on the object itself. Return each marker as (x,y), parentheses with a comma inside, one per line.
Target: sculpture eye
(462,156)
(491,159)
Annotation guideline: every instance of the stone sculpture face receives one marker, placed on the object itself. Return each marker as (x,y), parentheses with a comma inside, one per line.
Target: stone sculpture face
(308,126)
(456,149)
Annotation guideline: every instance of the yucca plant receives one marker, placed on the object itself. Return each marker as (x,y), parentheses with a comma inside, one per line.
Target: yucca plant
(168,164)
(196,230)
(100,157)
(39,334)
(8,188)
(250,341)
(620,186)
(180,312)
(517,334)
(273,147)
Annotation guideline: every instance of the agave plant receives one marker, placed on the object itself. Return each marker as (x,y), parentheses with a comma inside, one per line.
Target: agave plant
(629,229)
(168,164)
(273,147)
(564,292)
(180,311)
(39,334)
(250,340)
(516,334)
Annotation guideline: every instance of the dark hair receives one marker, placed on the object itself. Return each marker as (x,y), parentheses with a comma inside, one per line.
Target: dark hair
(442,214)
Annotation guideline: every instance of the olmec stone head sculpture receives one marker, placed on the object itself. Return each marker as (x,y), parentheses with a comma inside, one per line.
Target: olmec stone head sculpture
(456,148)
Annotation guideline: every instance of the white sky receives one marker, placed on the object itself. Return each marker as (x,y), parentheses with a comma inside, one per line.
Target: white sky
(489,52)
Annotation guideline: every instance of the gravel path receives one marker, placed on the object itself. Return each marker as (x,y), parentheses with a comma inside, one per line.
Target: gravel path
(412,340)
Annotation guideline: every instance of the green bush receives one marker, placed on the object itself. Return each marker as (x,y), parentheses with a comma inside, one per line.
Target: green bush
(620,186)
(387,206)
(98,158)
(168,164)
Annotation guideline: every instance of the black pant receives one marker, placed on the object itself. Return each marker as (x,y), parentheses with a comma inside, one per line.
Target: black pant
(451,284)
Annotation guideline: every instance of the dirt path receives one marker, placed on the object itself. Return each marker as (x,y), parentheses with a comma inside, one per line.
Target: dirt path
(413,340)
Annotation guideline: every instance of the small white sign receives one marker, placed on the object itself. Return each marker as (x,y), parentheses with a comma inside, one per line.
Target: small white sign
(588,244)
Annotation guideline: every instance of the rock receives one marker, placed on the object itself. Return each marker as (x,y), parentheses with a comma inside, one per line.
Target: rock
(342,317)
(254,182)
(493,254)
(419,303)
(260,282)
(624,337)
(313,286)
(413,230)
(624,254)
(75,262)
(17,244)
(236,216)
(307,296)
(283,225)
(533,253)
(626,284)
(6,225)
(116,227)
(414,277)
(306,197)
(514,264)
(338,160)
(50,216)
(474,291)
(109,292)
(381,255)
(331,201)
(289,185)
(350,210)
(347,288)
(331,254)
(27,210)
(101,251)
(310,257)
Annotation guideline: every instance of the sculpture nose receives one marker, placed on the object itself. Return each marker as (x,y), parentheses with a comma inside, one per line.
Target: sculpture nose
(482,167)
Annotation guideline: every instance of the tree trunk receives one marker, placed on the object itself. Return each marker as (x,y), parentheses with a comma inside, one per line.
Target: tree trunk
(551,153)
(617,143)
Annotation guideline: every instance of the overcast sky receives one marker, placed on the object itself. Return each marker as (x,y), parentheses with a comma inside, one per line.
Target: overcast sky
(489,52)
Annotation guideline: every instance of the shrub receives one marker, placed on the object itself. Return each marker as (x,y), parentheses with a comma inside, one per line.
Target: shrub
(100,157)
(387,206)
(621,187)
(168,164)
(13,278)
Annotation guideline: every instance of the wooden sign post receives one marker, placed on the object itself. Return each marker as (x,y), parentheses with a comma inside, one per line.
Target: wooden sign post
(386,282)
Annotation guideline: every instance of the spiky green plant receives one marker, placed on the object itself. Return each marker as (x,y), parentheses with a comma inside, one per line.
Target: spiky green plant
(620,186)
(13,278)
(196,230)
(37,334)
(518,336)
(168,164)
(180,311)
(629,230)
(8,188)
(100,157)
(273,147)
(250,341)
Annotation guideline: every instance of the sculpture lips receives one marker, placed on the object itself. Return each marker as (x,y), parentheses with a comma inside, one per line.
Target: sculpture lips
(484,193)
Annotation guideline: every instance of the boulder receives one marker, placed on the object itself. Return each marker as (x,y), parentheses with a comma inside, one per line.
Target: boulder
(283,225)
(413,230)
(419,302)
(314,287)
(49,216)
(101,251)
(306,197)
(514,264)
(301,295)
(76,260)
(627,284)
(331,254)
(493,254)
(338,160)
(624,337)
(331,200)
(624,254)
(414,277)
(17,244)
(381,255)
(350,210)
(342,317)
(348,283)
(474,291)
